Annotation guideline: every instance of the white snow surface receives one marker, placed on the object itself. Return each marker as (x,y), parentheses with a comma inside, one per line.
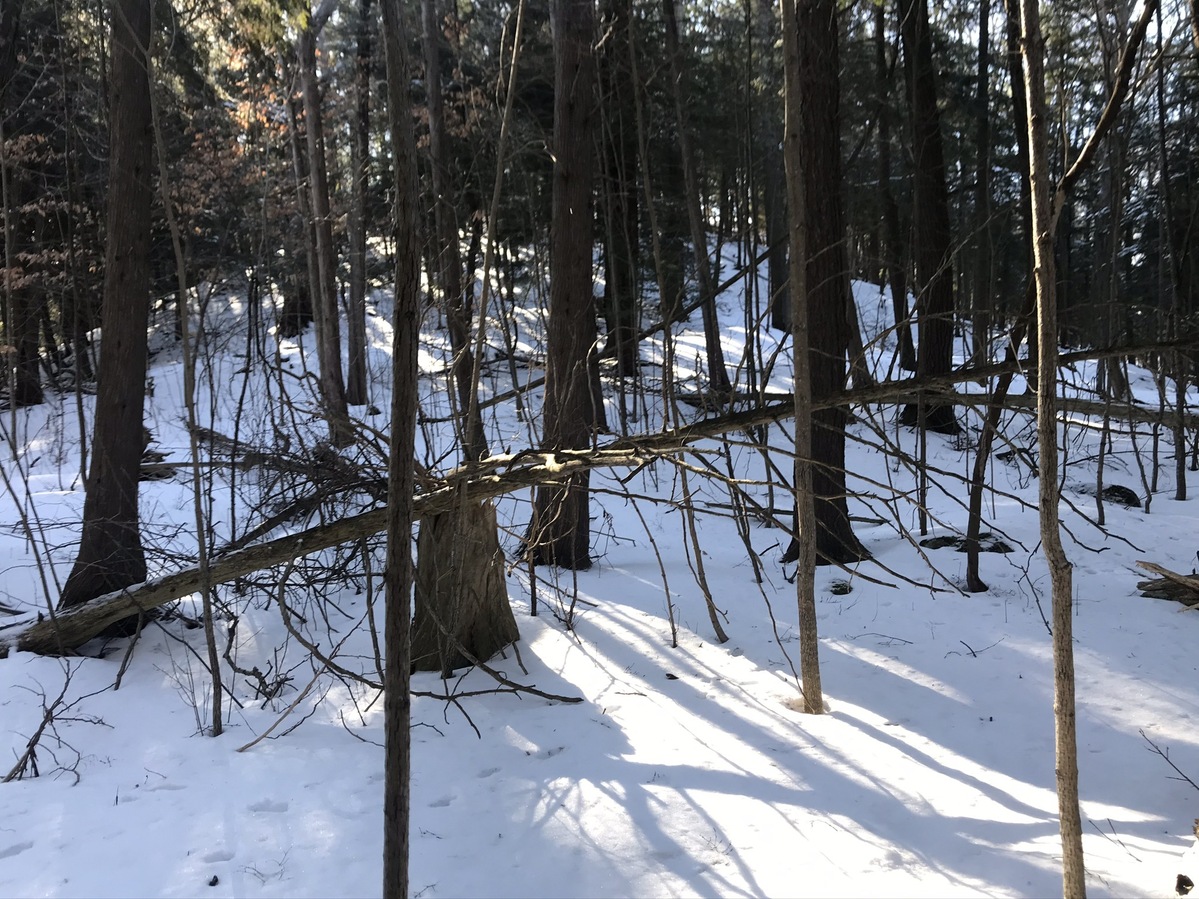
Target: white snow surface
(685,770)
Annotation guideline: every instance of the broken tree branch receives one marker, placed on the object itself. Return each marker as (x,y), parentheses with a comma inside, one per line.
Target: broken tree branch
(493,477)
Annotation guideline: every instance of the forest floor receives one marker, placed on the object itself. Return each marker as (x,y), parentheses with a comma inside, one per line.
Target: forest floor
(685,770)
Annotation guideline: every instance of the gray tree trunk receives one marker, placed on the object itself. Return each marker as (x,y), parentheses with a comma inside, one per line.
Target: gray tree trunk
(805,499)
(1060,571)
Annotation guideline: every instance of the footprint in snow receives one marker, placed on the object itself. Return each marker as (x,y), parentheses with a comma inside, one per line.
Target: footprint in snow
(268,805)
(218,855)
(442,802)
(487,772)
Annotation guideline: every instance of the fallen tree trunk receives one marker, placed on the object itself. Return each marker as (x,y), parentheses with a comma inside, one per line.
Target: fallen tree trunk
(1171,585)
(496,476)
(63,631)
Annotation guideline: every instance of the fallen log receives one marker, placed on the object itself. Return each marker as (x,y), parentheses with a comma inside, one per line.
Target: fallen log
(60,632)
(498,475)
(1183,588)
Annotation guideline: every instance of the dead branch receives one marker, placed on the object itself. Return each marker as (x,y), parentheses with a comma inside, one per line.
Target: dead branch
(493,477)
(1170,585)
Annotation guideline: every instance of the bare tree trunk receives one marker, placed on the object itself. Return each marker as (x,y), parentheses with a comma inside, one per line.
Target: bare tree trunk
(774,186)
(448,258)
(462,608)
(1060,572)
(981,300)
(328,320)
(623,302)
(356,393)
(110,551)
(1020,117)
(818,251)
(461,596)
(930,200)
(297,312)
(805,499)
(560,533)
(718,376)
(894,246)
(401,485)
(22,305)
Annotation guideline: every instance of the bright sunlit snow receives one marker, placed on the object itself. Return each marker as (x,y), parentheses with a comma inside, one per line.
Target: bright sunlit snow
(684,771)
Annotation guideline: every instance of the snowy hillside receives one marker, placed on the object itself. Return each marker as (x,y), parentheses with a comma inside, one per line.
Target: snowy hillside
(684,770)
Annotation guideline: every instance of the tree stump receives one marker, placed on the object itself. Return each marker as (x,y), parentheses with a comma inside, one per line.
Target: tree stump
(462,608)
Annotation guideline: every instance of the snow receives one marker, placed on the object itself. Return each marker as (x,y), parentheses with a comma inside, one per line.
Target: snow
(685,770)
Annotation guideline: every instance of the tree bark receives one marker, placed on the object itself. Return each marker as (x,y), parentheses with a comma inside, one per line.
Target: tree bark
(799,36)
(718,376)
(448,260)
(560,533)
(397,707)
(623,303)
(1060,571)
(981,299)
(24,305)
(356,386)
(110,550)
(930,199)
(820,280)
(894,246)
(325,307)
(297,311)
(462,608)
(774,183)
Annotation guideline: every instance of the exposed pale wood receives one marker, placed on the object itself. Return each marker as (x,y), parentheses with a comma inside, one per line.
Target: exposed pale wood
(1172,585)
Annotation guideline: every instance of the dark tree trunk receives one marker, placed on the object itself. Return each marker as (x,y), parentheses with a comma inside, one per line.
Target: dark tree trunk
(981,300)
(623,305)
(1020,118)
(328,319)
(23,307)
(774,184)
(462,609)
(718,376)
(826,277)
(673,220)
(560,533)
(297,312)
(110,551)
(775,209)
(930,200)
(23,304)
(448,262)
(894,246)
(356,393)
(397,632)
(461,595)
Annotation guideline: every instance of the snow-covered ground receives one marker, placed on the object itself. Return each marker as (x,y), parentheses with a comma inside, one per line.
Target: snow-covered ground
(685,770)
